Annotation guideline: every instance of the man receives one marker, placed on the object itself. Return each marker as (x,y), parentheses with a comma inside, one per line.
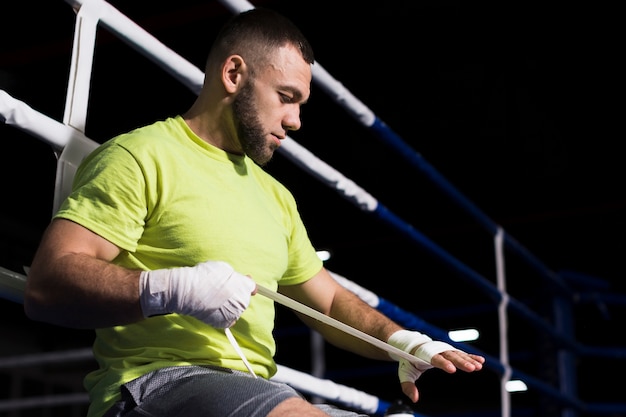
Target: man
(168,231)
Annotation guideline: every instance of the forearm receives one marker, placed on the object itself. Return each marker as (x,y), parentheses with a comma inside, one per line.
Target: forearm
(80,291)
(351,310)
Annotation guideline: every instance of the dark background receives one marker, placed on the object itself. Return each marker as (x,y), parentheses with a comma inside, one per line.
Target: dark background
(517,105)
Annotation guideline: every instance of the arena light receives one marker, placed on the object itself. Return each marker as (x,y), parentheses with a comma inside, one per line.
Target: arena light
(324,255)
(463,335)
(515,385)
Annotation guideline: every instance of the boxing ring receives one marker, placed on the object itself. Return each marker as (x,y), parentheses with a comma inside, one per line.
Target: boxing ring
(70,144)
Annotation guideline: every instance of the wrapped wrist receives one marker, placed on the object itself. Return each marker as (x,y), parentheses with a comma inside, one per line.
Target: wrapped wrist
(211,291)
(407,341)
(153,289)
(430,349)
(418,344)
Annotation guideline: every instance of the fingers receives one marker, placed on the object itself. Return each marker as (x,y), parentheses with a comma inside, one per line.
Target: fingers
(478,360)
(449,361)
(452,360)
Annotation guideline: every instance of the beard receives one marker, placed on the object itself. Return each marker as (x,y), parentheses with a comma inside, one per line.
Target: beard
(248,125)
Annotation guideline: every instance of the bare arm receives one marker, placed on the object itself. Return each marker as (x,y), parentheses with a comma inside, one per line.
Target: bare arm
(72,282)
(324,294)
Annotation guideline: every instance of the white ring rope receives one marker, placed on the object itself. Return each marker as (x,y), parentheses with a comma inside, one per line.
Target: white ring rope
(503,322)
(77,99)
(328,389)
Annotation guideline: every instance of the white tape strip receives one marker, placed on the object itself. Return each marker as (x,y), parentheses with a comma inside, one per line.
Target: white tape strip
(233,342)
(301,308)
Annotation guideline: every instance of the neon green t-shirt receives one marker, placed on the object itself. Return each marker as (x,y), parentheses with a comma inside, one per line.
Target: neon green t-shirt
(169,199)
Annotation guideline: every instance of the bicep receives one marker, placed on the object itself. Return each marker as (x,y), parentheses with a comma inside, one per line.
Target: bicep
(71,281)
(318,292)
(63,237)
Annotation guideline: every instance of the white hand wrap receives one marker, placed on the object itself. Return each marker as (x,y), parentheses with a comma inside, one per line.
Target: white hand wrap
(426,348)
(212,292)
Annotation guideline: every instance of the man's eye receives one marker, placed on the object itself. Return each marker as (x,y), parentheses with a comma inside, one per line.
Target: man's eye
(285,98)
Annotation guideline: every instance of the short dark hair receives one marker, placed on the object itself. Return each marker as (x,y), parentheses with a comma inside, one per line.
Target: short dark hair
(257,32)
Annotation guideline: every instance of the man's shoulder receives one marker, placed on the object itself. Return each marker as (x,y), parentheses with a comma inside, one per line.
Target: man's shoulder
(157,131)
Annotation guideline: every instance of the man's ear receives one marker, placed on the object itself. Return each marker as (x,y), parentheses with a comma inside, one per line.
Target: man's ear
(234,72)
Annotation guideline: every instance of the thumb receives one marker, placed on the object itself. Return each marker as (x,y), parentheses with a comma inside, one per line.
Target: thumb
(255,287)
(410,390)
(408,374)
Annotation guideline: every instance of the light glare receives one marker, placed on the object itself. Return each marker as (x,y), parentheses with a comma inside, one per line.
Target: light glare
(464,335)
(515,386)
(324,255)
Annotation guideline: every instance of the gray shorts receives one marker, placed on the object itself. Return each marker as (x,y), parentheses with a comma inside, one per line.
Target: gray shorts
(205,391)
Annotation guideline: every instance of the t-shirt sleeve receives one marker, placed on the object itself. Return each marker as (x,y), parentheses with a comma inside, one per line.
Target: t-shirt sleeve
(303,260)
(108,196)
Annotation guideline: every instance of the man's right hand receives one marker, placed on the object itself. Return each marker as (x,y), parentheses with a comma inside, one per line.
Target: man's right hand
(211,291)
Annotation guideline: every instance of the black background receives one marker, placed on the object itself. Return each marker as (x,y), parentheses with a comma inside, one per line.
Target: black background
(517,105)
